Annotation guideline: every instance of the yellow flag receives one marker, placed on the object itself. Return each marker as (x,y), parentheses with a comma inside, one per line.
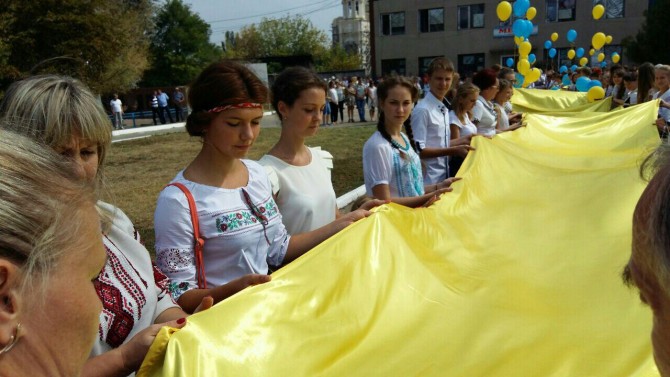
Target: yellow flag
(553,101)
(514,273)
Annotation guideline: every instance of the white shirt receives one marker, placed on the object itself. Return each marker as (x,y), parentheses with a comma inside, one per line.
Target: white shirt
(662,111)
(467,128)
(484,116)
(115,104)
(235,239)
(504,119)
(430,127)
(399,169)
(332,95)
(304,194)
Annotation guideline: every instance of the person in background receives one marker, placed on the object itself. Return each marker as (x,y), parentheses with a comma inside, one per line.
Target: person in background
(372,99)
(333,101)
(391,166)
(645,82)
(154,107)
(506,122)
(117,112)
(361,94)
(179,102)
(239,221)
(460,120)
(350,95)
(662,84)
(341,98)
(485,115)
(619,89)
(301,176)
(50,255)
(163,106)
(630,82)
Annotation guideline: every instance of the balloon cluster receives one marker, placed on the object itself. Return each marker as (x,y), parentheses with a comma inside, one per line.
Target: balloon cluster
(522,29)
(593,88)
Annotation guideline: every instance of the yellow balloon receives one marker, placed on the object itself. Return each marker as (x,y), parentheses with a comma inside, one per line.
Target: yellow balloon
(591,52)
(523,66)
(595,93)
(601,57)
(518,40)
(598,40)
(530,13)
(532,75)
(583,61)
(504,10)
(524,48)
(571,54)
(608,39)
(554,37)
(598,11)
(616,58)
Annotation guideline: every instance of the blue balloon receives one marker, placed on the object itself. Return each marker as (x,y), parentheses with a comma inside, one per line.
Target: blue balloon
(566,80)
(595,83)
(547,44)
(518,28)
(521,7)
(509,62)
(563,69)
(528,28)
(519,80)
(552,53)
(572,35)
(603,64)
(583,84)
(531,58)
(574,68)
(579,52)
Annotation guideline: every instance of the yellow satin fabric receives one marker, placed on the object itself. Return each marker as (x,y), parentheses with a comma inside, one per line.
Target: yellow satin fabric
(554,101)
(514,273)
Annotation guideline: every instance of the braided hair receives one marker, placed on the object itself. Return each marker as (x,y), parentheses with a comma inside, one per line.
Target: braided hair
(382,93)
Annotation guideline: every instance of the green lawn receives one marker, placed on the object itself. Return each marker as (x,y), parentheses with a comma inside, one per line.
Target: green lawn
(137,170)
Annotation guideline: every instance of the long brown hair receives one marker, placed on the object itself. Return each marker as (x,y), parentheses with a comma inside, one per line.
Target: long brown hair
(383,92)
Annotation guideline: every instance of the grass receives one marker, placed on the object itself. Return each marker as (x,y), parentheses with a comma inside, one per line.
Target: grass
(137,170)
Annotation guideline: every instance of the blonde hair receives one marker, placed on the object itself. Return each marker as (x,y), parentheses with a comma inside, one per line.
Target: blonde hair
(463,92)
(55,109)
(41,207)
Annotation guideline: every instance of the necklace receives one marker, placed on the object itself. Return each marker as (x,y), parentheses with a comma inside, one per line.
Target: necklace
(397,145)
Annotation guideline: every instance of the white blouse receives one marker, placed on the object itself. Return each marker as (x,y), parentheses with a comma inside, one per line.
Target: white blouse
(467,128)
(485,117)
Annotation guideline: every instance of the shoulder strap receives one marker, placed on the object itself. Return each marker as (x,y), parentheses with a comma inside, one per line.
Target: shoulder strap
(199,241)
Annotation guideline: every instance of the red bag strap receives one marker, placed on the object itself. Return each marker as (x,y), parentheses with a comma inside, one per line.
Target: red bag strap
(199,241)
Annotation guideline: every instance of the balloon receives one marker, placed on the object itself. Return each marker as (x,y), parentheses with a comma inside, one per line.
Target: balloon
(608,39)
(574,68)
(530,13)
(509,62)
(615,58)
(518,28)
(521,7)
(592,51)
(571,36)
(531,58)
(601,57)
(519,80)
(566,80)
(523,66)
(595,83)
(533,75)
(527,28)
(547,44)
(554,36)
(603,64)
(598,11)
(595,93)
(504,10)
(552,53)
(524,48)
(598,40)
(518,40)
(579,52)
(563,69)
(571,54)
(582,83)
(583,61)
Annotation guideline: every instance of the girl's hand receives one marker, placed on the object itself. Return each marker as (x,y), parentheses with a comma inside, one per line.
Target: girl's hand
(370,204)
(133,352)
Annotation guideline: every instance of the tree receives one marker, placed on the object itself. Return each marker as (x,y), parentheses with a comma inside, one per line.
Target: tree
(286,36)
(650,44)
(103,43)
(180,46)
(338,59)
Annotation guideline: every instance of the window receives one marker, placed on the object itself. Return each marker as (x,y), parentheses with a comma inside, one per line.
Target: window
(424,62)
(393,23)
(561,10)
(471,16)
(613,8)
(431,20)
(469,64)
(393,66)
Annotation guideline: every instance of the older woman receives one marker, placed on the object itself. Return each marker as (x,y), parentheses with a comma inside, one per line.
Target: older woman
(64,114)
(485,115)
(50,255)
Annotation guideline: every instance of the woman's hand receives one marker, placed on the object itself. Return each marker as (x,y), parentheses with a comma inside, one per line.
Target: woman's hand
(462,150)
(370,204)
(245,281)
(133,352)
(447,183)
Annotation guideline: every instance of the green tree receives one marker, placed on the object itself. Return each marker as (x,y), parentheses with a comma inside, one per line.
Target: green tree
(650,44)
(180,46)
(338,59)
(103,43)
(284,36)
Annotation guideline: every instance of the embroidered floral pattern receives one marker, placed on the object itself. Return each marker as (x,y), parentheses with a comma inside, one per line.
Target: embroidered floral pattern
(236,220)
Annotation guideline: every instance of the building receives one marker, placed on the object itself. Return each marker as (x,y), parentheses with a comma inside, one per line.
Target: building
(409,34)
(352,31)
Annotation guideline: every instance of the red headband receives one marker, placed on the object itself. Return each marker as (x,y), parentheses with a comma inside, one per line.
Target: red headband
(244,105)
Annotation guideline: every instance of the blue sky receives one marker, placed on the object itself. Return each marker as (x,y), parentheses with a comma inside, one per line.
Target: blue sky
(232,15)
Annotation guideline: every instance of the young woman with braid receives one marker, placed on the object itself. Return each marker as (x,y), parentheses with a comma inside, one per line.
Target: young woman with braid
(391,166)
(460,120)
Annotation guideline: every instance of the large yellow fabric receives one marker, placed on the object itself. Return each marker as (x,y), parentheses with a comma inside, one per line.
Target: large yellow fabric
(532,101)
(514,273)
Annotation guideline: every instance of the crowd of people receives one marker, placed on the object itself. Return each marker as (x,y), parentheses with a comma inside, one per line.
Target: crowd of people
(225,222)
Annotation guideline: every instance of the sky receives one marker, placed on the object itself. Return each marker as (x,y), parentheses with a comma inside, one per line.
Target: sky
(223,15)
